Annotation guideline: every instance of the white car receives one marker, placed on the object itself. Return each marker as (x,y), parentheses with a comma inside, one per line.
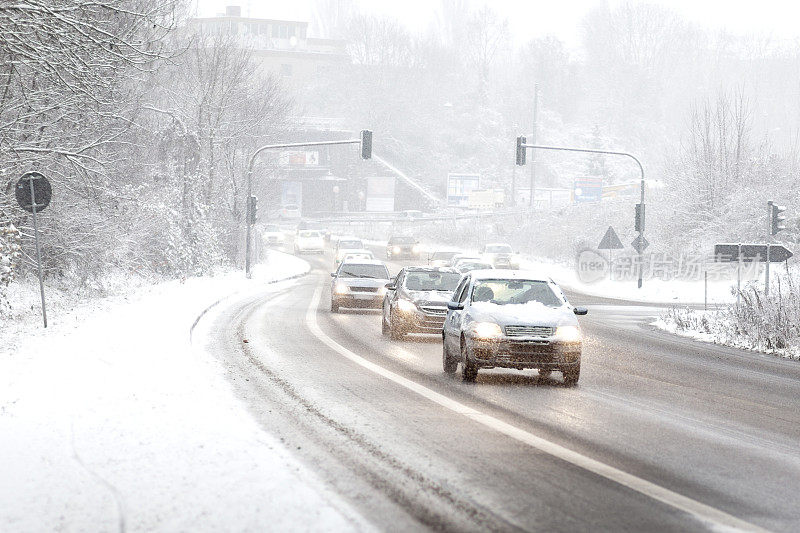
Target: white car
(289,211)
(309,240)
(273,235)
(357,255)
(345,245)
(500,255)
(441,258)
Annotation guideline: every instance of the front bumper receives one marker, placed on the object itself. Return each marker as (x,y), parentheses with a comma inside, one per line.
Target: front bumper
(421,321)
(407,253)
(359,300)
(525,353)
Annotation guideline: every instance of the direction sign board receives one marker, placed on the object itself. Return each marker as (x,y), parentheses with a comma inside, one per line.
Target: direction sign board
(610,241)
(41,189)
(640,243)
(729,252)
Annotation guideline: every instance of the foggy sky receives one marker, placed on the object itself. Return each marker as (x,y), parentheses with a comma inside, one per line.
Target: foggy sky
(529,19)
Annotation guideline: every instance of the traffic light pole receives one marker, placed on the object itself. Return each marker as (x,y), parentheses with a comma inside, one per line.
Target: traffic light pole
(641,191)
(251,163)
(769,239)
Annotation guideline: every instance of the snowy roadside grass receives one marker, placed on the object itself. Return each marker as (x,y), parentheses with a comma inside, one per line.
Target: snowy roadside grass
(767,324)
(112,420)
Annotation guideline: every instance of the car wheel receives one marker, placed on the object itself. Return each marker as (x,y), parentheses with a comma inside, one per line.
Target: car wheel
(449,365)
(395,330)
(571,374)
(469,371)
(334,306)
(384,325)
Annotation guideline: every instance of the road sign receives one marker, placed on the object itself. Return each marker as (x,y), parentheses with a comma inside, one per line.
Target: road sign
(640,244)
(729,253)
(41,190)
(610,241)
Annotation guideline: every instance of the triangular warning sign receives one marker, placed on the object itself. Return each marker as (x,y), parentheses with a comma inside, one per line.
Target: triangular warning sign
(610,241)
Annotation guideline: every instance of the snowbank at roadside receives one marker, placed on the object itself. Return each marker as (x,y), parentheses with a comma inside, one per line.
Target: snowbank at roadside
(111,420)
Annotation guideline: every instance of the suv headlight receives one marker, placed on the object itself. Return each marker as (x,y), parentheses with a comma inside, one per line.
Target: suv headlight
(487,330)
(340,288)
(396,250)
(568,334)
(406,306)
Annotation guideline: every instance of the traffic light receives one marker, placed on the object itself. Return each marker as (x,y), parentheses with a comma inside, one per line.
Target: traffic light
(366,144)
(777,217)
(521,150)
(252,209)
(638,222)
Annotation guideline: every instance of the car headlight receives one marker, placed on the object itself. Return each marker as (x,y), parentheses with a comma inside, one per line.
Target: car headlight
(340,288)
(406,306)
(568,333)
(396,250)
(487,330)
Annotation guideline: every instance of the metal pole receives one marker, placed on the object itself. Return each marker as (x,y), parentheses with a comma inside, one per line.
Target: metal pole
(705,291)
(739,277)
(641,170)
(250,165)
(769,236)
(38,250)
(248,245)
(533,141)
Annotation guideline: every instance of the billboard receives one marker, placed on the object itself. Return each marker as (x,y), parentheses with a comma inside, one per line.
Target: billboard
(380,194)
(298,158)
(459,186)
(587,189)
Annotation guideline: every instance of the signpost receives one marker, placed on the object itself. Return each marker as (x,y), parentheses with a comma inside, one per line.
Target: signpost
(739,253)
(33,193)
(610,241)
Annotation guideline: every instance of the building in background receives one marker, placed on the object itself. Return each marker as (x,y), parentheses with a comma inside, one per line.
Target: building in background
(283,47)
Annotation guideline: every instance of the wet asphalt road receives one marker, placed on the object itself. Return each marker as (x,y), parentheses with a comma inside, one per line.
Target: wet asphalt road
(410,448)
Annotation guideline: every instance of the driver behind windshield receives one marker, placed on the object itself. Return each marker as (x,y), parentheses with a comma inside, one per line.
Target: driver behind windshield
(502,292)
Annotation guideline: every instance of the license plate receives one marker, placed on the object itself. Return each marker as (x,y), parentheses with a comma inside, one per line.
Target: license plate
(362,296)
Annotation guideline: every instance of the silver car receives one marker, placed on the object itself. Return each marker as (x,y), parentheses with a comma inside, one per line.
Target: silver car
(360,283)
(511,319)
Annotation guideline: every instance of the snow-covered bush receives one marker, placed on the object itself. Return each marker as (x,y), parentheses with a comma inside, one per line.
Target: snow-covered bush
(766,323)
(10,255)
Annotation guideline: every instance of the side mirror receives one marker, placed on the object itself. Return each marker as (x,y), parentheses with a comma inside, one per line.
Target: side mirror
(391,286)
(333,274)
(580,310)
(455,306)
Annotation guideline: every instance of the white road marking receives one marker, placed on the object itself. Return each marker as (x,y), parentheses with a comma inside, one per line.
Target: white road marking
(714,518)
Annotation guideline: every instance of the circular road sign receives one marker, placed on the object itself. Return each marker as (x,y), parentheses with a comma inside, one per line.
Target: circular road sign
(41,190)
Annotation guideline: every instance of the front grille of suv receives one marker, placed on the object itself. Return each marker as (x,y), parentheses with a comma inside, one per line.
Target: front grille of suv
(530,331)
(364,289)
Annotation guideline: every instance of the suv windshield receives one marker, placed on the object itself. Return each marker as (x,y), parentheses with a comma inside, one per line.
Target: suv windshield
(515,291)
(498,249)
(350,270)
(432,281)
(403,240)
(309,233)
